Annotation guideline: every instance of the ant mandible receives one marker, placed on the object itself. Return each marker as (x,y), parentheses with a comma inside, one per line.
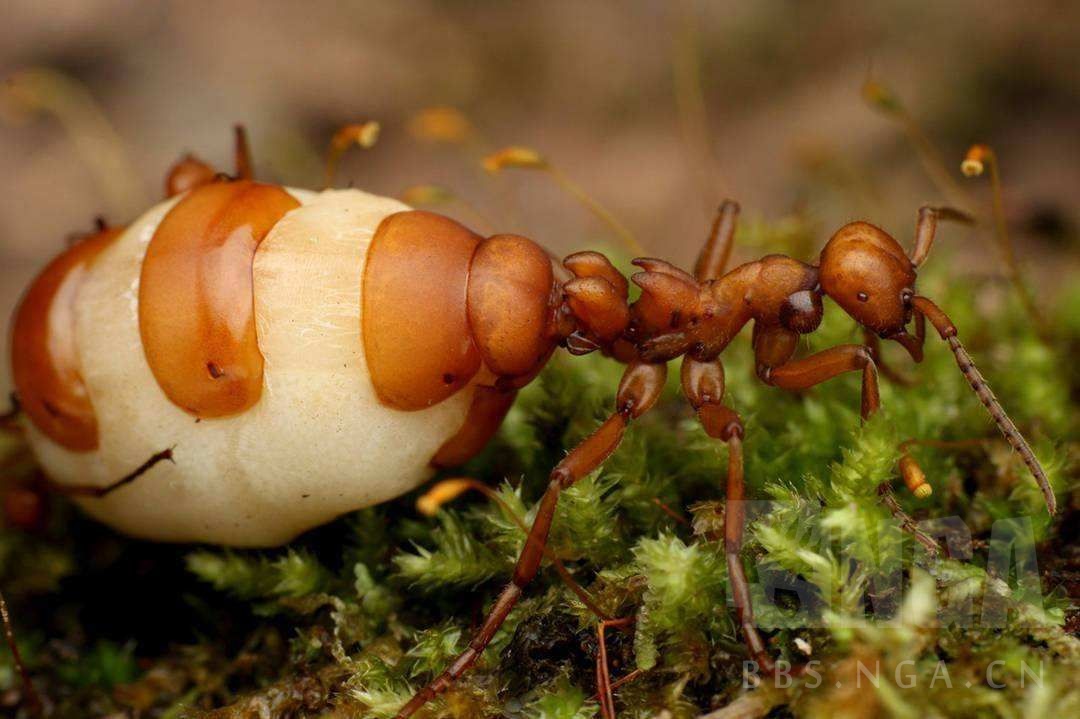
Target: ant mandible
(862,268)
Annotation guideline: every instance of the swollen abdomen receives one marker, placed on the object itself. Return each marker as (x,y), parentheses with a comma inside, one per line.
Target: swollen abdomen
(317,443)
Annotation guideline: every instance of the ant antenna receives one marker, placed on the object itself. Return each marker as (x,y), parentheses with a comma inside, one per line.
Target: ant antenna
(978,383)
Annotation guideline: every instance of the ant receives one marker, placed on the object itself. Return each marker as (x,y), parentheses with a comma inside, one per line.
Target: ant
(695,316)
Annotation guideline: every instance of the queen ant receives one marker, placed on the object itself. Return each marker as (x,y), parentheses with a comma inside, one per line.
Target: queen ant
(374,323)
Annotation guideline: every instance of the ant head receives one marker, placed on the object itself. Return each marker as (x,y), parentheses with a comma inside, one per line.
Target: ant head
(867,273)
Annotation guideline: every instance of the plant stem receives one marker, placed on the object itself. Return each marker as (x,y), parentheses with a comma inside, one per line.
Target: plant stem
(601,212)
(979,156)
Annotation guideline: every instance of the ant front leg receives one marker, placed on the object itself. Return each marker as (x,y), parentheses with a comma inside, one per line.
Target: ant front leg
(703,384)
(817,368)
(638,391)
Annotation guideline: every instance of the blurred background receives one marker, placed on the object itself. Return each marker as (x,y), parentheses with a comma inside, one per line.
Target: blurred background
(657,109)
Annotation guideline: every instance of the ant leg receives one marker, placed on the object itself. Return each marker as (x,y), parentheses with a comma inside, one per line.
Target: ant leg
(714,255)
(449,489)
(89,490)
(638,391)
(703,384)
(815,369)
(926,226)
(722,423)
(625,679)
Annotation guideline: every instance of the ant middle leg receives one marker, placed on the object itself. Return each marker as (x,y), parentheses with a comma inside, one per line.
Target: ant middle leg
(703,384)
(639,389)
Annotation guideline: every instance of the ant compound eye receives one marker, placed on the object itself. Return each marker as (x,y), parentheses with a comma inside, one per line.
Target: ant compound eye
(862,297)
(906,296)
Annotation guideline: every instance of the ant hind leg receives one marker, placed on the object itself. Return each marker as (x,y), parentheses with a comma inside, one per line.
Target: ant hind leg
(639,389)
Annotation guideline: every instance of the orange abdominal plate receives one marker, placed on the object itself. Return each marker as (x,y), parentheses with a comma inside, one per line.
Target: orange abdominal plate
(417,339)
(510,287)
(45,361)
(196,304)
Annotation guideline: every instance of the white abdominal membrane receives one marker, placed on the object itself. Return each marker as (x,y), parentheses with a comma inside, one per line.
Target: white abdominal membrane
(317,443)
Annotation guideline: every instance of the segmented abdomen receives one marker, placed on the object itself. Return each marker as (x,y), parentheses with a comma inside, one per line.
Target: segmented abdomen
(316,442)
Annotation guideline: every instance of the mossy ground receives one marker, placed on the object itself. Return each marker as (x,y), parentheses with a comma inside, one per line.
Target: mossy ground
(350,619)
